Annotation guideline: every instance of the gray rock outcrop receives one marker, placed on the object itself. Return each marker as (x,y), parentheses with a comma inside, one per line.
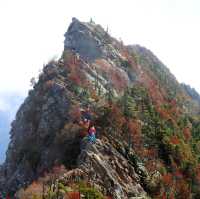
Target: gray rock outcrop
(109,170)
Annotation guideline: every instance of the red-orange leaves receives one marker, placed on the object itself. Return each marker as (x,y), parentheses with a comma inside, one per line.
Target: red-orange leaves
(164,196)
(75,72)
(103,65)
(178,174)
(77,76)
(116,117)
(108,197)
(118,80)
(134,128)
(174,140)
(167,179)
(73,195)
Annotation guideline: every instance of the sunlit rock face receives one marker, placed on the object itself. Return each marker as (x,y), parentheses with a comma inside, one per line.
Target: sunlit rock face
(137,106)
(79,38)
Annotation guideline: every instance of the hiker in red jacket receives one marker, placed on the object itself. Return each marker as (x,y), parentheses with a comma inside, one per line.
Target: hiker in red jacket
(8,197)
(92,134)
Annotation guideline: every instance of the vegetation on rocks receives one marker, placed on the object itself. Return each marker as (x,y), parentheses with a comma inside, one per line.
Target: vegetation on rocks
(147,125)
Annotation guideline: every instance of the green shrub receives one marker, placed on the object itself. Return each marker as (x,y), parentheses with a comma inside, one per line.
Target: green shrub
(125,64)
(90,192)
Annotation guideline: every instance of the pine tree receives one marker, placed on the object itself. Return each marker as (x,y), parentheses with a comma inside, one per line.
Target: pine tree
(109,94)
(128,105)
(129,108)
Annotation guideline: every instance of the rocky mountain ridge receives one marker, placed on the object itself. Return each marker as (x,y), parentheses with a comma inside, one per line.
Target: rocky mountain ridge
(147,125)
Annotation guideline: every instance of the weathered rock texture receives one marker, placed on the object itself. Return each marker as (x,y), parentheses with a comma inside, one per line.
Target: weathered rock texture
(45,132)
(107,168)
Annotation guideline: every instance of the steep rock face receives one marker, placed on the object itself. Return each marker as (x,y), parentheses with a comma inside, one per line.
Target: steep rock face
(133,97)
(99,55)
(42,117)
(80,39)
(89,40)
(107,168)
(32,148)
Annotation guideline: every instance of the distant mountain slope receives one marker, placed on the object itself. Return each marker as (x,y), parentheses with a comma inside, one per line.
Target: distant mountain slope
(4,134)
(147,125)
(10,104)
(191,92)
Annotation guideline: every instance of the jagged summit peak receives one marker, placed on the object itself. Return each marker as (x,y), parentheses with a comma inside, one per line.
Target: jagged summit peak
(86,38)
(74,19)
(77,25)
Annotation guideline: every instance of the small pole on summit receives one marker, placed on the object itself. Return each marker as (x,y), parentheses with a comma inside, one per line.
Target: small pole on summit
(91,21)
(107,29)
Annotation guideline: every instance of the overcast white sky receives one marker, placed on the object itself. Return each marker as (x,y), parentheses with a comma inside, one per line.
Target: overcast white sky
(31,33)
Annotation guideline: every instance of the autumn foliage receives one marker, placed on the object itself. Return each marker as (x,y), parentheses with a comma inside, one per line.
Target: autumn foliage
(72,195)
(134,128)
(167,179)
(74,70)
(174,140)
